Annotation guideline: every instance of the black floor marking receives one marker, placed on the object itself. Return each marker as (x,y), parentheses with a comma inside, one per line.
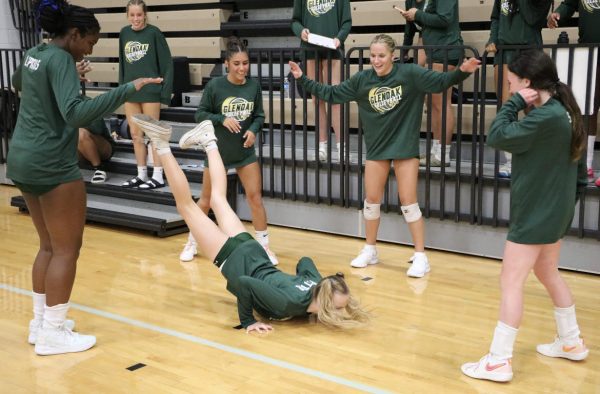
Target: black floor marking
(238,327)
(366,278)
(136,366)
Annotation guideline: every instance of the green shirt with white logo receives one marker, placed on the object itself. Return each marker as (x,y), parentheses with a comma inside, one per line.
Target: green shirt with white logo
(145,54)
(439,20)
(521,26)
(390,107)
(329,18)
(544,178)
(589,18)
(43,148)
(222,99)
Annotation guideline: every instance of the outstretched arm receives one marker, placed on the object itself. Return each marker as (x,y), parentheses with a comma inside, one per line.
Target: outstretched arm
(435,82)
(342,93)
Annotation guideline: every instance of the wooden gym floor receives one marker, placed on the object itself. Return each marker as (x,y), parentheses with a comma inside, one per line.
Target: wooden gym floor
(177,319)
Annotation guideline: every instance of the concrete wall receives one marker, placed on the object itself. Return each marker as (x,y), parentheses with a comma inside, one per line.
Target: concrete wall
(9,36)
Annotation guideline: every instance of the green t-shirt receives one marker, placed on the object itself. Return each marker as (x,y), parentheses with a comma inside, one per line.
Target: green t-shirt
(329,18)
(146,54)
(440,27)
(260,286)
(544,178)
(589,18)
(390,107)
(222,99)
(43,148)
(522,27)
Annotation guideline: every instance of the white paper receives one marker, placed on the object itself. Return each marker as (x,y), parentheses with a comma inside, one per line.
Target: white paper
(321,41)
(579,84)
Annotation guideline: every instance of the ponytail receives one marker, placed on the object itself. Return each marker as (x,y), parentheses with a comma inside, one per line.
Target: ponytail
(565,96)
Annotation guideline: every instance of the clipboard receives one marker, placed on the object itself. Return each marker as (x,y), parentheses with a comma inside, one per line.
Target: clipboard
(322,41)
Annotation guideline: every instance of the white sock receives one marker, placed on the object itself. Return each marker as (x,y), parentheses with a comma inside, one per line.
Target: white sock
(323,145)
(157,173)
(419,254)
(508,158)
(262,237)
(590,150)
(54,316)
(436,148)
(191,239)
(566,324)
(503,342)
(39,302)
(370,248)
(211,145)
(142,173)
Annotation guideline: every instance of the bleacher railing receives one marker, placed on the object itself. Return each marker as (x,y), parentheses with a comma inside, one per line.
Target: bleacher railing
(9,101)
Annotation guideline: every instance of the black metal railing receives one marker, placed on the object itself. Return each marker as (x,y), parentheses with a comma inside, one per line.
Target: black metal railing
(24,21)
(9,100)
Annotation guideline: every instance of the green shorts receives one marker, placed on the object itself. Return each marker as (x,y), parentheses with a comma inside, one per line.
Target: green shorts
(36,190)
(242,255)
(229,246)
(252,158)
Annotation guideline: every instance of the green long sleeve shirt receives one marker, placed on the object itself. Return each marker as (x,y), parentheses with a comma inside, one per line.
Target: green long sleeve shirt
(544,178)
(222,99)
(440,27)
(272,293)
(145,54)
(589,19)
(43,148)
(523,27)
(390,107)
(329,18)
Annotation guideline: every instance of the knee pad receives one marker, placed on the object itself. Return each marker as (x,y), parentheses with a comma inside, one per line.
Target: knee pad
(371,211)
(411,212)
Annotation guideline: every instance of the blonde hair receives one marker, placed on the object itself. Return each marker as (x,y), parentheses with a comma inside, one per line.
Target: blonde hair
(386,40)
(352,316)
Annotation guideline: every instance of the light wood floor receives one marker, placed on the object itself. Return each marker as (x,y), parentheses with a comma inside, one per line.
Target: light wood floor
(146,307)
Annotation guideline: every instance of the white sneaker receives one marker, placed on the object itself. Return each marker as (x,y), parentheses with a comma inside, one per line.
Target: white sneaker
(189,251)
(62,340)
(364,258)
(488,369)
(200,136)
(323,153)
(158,132)
(36,325)
(271,255)
(559,348)
(419,267)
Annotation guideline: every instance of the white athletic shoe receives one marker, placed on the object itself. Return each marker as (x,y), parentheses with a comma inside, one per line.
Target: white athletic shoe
(189,251)
(559,348)
(62,340)
(271,255)
(323,153)
(158,132)
(419,267)
(488,369)
(364,258)
(36,325)
(200,136)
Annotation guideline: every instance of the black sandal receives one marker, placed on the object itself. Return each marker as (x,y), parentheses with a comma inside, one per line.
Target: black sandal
(151,184)
(133,182)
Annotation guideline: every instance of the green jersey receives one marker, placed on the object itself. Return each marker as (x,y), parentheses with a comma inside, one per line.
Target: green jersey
(589,18)
(390,106)
(222,99)
(440,27)
(43,148)
(520,26)
(544,178)
(145,54)
(260,286)
(329,18)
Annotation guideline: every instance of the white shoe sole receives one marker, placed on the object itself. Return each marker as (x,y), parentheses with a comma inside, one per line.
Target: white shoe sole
(184,141)
(364,265)
(568,356)
(417,274)
(154,126)
(41,350)
(493,376)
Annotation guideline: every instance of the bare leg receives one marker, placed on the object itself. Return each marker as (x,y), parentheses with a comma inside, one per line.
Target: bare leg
(137,136)
(42,259)
(407,173)
(437,105)
(153,109)
(376,175)
(335,109)
(251,180)
(87,147)
(546,270)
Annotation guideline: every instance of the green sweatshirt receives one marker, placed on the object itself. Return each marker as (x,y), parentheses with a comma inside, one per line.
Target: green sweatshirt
(544,179)
(440,27)
(220,100)
(258,285)
(523,27)
(411,28)
(390,107)
(329,18)
(146,54)
(43,148)
(589,18)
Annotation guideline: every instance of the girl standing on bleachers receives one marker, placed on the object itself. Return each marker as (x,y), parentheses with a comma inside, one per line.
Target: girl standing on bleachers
(332,19)
(233,103)
(514,22)
(413,28)
(542,206)
(390,100)
(143,50)
(439,20)
(42,163)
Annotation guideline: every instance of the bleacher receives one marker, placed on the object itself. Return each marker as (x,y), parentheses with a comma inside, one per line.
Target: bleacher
(198,29)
